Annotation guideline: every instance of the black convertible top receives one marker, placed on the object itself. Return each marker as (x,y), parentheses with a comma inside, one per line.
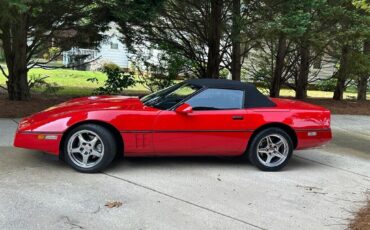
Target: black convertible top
(253,97)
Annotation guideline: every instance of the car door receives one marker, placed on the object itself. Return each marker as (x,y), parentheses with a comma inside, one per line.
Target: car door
(216,126)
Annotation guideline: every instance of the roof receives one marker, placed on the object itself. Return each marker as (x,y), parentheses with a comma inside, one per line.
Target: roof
(218,83)
(253,97)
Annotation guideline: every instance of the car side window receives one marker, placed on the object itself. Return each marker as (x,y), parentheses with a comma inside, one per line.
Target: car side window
(217,99)
(175,96)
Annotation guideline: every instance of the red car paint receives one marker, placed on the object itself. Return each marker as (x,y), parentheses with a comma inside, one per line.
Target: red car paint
(148,131)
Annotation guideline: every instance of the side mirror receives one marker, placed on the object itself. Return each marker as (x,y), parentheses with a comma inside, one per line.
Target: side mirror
(184,109)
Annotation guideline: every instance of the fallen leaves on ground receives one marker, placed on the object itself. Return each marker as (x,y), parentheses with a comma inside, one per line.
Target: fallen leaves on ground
(113,204)
(362,219)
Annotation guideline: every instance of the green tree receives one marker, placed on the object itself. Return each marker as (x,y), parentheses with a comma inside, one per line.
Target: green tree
(241,33)
(29,27)
(312,41)
(194,29)
(288,32)
(159,70)
(363,78)
(352,28)
(236,62)
(364,75)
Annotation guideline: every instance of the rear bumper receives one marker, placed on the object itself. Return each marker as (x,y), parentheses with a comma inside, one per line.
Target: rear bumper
(46,142)
(313,138)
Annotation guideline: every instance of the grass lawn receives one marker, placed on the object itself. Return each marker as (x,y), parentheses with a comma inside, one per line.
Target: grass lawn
(319,94)
(74,83)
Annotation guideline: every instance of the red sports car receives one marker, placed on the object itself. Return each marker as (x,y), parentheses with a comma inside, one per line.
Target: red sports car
(200,117)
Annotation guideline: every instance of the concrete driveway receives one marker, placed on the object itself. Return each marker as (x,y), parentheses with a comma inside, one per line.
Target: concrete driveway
(319,189)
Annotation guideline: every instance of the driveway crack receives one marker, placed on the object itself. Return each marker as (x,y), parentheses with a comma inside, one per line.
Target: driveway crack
(72,225)
(184,201)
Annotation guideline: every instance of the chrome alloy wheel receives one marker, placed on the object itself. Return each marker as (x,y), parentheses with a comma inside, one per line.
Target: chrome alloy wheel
(272,150)
(85,149)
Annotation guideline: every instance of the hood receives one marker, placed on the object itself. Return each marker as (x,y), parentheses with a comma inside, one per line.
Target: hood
(99,103)
(295,104)
(92,103)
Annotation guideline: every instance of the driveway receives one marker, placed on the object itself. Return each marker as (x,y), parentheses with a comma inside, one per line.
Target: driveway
(319,189)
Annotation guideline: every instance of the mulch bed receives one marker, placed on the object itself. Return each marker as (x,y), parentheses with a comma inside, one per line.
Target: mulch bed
(343,107)
(362,219)
(17,109)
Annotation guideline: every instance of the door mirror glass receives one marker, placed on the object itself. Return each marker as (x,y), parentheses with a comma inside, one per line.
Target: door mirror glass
(184,109)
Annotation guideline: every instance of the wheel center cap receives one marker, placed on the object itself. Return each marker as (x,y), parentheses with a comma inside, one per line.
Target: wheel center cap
(87,149)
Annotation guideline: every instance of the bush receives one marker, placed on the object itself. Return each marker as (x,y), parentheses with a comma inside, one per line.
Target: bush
(224,73)
(261,78)
(326,85)
(117,80)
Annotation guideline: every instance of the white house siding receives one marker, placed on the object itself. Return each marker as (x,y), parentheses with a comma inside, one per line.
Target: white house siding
(326,70)
(105,52)
(108,53)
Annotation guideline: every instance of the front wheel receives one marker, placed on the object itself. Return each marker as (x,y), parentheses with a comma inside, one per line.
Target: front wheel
(89,148)
(270,149)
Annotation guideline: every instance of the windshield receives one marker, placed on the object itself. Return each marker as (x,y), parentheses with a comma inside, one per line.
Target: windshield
(169,97)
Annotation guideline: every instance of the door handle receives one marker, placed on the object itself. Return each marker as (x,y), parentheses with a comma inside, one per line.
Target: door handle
(238,118)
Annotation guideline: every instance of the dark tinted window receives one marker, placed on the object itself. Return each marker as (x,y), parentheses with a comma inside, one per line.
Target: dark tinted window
(216,99)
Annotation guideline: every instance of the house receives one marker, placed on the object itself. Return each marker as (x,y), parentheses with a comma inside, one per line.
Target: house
(110,50)
(257,63)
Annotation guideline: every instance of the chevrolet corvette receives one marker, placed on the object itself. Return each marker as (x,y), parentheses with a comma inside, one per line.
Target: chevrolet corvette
(199,117)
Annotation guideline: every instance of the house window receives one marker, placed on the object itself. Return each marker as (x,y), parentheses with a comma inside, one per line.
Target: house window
(114,46)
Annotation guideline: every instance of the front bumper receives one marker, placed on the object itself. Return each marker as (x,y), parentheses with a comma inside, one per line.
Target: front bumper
(46,142)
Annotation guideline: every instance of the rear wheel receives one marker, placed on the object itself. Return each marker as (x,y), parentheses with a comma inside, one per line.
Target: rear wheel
(89,148)
(270,149)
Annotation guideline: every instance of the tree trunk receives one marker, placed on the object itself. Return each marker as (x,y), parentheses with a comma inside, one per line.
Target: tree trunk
(362,88)
(235,36)
(15,50)
(304,71)
(279,67)
(214,39)
(17,83)
(342,74)
(363,80)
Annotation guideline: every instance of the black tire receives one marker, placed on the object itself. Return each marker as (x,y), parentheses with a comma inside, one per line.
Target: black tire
(260,138)
(108,149)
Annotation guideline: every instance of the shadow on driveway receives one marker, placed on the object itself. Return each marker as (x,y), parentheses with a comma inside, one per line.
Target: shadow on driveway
(350,143)
(138,163)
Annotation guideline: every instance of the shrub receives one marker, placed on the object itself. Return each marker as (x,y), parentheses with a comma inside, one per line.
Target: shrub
(224,73)
(117,80)
(326,85)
